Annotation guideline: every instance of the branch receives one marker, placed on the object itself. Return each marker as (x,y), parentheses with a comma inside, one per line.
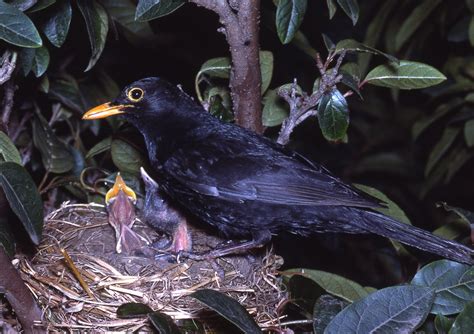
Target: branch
(8,66)
(301,104)
(19,297)
(240,26)
(7,105)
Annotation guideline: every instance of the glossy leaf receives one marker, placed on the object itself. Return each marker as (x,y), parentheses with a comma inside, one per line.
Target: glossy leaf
(464,322)
(41,4)
(66,90)
(333,115)
(444,109)
(334,284)
(351,81)
(228,308)
(163,323)
(453,283)
(332,8)
(351,8)
(7,239)
(103,146)
(469,132)
(8,151)
(16,28)
(133,310)
(354,46)
(399,309)
(151,9)
(25,60)
(266,69)
(414,21)
(406,75)
(55,154)
(216,67)
(56,26)
(442,146)
(443,324)
(275,109)
(458,225)
(97,25)
(123,12)
(23,197)
(126,157)
(325,309)
(40,61)
(392,209)
(289,16)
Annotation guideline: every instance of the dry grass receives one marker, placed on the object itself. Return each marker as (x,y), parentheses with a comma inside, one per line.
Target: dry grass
(83,233)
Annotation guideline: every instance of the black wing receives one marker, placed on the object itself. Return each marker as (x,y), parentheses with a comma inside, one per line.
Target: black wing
(238,171)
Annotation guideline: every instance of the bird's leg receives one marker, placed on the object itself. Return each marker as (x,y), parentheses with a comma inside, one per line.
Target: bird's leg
(260,239)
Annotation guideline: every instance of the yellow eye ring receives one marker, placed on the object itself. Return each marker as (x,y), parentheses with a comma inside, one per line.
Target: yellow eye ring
(135,94)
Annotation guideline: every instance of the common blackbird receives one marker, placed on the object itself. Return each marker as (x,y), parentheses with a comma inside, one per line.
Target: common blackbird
(246,185)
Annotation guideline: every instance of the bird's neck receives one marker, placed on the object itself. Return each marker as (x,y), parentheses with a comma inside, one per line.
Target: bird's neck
(168,132)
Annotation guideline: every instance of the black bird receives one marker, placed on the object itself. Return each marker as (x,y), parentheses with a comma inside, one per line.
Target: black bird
(244,184)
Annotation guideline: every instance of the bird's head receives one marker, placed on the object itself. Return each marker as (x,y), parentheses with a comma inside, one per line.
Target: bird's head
(145,97)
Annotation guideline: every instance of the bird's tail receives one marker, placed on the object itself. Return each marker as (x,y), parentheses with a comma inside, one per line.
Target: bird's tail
(413,236)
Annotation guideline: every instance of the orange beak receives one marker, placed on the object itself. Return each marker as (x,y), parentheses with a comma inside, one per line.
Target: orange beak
(105,110)
(120,186)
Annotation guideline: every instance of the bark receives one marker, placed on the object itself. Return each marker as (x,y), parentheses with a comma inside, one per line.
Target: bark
(240,22)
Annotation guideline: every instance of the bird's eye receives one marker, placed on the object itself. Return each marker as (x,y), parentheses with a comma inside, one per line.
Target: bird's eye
(135,94)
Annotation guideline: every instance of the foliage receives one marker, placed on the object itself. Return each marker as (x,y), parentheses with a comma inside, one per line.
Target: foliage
(400,118)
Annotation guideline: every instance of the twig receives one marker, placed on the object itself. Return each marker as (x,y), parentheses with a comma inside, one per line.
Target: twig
(7,105)
(240,26)
(8,66)
(21,300)
(301,104)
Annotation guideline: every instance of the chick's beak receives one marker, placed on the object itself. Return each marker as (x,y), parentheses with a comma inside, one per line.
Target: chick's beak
(120,185)
(105,110)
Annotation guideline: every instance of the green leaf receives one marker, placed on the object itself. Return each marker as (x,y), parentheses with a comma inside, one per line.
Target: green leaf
(458,225)
(392,209)
(151,9)
(464,323)
(453,283)
(414,21)
(303,292)
(163,323)
(469,132)
(333,115)
(351,81)
(40,5)
(23,197)
(40,61)
(399,309)
(216,67)
(25,60)
(67,91)
(325,309)
(443,324)
(8,151)
(332,8)
(334,284)
(289,15)
(471,31)
(354,46)
(228,308)
(420,126)
(266,68)
(56,27)
(97,25)
(126,157)
(103,146)
(7,239)
(133,310)
(123,12)
(55,154)
(328,42)
(441,147)
(351,8)
(16,28)
(275,109)
(406,75)
(44,85)
(375,30)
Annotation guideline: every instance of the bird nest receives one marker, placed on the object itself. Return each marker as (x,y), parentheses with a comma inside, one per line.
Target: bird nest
(79,245)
